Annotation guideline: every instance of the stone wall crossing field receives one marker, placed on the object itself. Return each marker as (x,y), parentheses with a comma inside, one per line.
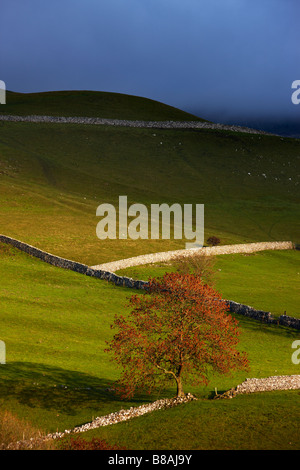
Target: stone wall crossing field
(124,281)
(267,384)
(209,250)
(128,123)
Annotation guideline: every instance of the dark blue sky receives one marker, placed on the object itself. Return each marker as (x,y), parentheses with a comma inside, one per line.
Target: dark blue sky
(225,60)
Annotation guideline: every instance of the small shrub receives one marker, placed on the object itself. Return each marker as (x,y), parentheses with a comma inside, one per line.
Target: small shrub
(79,443)
(198,264)
(213,241)
(6,249)
(13,431)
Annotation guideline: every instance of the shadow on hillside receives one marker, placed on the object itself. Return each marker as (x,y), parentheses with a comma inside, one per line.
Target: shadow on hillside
(270,328)
(53,388)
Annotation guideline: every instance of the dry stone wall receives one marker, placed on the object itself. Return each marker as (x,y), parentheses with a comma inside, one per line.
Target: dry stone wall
(140,284)
(73,265)
(129,123)
(209,251)
(267,384)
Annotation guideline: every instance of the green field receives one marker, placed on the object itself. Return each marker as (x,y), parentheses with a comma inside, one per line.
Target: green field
(57,374)
(55,322)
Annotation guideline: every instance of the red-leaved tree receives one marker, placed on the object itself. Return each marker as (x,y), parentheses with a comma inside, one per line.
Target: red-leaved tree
(179,330)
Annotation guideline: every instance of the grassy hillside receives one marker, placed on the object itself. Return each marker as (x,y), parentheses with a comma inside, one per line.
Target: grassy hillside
(55,323)
(53,177)
(92,104)
(57,373)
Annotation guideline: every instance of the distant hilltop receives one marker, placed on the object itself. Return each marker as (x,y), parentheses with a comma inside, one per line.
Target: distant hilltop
(96,104)
(135,110)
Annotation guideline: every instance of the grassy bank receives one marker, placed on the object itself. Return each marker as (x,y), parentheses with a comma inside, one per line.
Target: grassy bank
(267,421)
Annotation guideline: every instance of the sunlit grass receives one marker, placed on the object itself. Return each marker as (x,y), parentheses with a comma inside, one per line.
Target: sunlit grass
(267,280)
(55,324)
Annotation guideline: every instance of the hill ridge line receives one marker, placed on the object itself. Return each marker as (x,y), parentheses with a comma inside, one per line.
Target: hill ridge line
(132,123)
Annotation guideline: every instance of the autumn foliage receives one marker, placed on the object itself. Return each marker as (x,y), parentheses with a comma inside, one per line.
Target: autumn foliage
(79,443)
(179,331)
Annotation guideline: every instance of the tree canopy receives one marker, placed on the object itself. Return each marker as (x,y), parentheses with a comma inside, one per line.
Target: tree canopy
(179,331)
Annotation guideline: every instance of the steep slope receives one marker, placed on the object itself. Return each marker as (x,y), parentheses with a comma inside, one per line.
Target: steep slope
(53,177)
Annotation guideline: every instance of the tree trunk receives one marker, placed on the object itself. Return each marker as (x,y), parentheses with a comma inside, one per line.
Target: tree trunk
(180,392)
